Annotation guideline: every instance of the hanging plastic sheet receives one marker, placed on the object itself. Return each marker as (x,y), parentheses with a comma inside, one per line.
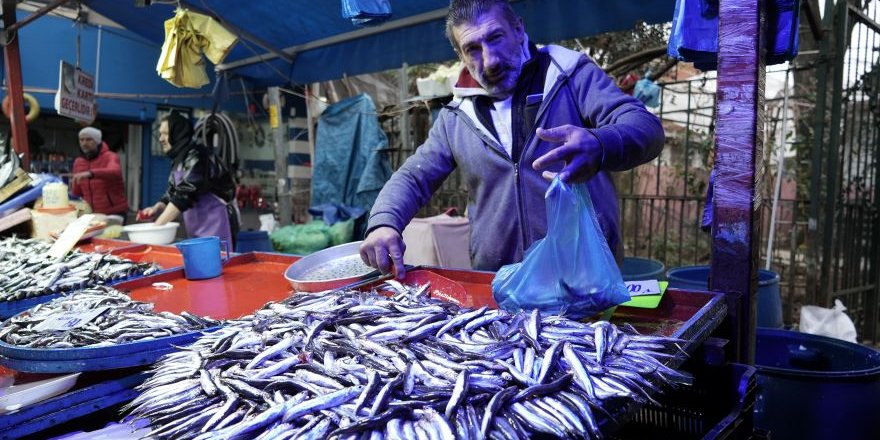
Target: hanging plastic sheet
(366,12)
(351,161)
(694,36)
(571,271)
(187,36)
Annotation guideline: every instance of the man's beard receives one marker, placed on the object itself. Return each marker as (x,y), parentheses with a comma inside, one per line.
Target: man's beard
(504,86)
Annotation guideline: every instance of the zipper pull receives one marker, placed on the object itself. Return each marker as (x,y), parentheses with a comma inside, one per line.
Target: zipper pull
(516,170)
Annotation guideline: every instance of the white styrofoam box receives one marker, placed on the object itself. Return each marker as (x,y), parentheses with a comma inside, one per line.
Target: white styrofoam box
(431,87)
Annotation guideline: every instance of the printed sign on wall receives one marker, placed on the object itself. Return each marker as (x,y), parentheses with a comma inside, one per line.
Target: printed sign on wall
(76,94)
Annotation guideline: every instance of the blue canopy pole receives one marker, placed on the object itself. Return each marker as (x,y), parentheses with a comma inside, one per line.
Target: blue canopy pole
(739,139)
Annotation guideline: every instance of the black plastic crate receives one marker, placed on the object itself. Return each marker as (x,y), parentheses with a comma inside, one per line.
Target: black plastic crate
(718,406)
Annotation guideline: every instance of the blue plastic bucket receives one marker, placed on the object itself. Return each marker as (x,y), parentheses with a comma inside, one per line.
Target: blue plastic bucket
(815,387)
(250,241)
(769,301)
(636,268)
(201,257)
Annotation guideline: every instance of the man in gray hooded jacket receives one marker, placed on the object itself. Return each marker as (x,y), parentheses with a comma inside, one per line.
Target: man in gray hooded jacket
(517,111)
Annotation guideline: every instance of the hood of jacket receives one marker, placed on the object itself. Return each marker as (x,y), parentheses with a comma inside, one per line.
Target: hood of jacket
(180,136)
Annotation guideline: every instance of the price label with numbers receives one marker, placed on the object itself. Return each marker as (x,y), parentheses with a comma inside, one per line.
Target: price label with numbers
(644,287)
(70,320)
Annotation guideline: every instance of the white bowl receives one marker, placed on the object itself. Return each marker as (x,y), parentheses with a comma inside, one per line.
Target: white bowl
(149,233)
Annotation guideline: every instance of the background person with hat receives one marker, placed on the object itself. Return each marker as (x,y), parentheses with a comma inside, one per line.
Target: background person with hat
(97,175)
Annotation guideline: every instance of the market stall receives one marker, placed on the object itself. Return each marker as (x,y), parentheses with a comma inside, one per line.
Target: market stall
(251,294)
(178,342)
(461,306)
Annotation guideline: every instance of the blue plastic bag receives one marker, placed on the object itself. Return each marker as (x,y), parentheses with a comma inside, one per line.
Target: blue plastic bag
(648,92)
(694,35)
(366,12)
(571,271)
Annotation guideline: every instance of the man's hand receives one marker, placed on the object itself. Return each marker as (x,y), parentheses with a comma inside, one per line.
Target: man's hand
(383,249)
(579,149)
(81,175)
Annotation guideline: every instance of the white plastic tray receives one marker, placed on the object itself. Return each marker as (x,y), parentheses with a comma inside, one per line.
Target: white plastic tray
(18,396)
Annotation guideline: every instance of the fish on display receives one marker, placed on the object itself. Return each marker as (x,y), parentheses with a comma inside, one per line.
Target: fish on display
(355,365)
(27,271)
(125,320)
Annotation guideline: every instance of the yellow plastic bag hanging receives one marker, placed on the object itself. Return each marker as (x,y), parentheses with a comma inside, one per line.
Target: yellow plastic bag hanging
(187,36)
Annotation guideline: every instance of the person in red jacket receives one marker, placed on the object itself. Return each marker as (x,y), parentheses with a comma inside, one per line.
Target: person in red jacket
(97,175)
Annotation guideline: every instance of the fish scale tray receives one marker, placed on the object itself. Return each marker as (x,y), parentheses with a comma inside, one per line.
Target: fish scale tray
(248,282)
(72,354)
(9,309)
(139,253)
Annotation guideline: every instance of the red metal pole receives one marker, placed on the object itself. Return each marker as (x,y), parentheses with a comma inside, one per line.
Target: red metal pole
(14,88)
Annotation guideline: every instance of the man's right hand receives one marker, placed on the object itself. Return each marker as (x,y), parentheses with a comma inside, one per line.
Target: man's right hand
(75,178)
(383,249)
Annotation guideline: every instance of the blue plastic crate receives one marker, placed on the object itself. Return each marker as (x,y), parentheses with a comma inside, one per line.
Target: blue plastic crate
(60,409)
(718,406)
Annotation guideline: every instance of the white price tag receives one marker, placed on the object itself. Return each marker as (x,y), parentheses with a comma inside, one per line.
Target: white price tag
(644,287)
(70,320)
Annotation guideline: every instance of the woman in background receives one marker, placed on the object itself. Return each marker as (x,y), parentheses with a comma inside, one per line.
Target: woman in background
(200,185)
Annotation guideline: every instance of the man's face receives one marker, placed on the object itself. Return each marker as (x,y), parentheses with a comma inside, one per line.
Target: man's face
(88,145)
(490,48)
(163,137)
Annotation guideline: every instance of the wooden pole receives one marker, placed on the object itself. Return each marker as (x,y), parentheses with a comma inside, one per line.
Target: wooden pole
(739,148)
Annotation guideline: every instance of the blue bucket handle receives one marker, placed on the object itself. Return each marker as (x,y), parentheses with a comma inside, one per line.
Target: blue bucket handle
(225,244)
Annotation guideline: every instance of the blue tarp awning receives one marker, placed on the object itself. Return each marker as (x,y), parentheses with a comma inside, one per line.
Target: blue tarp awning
(414,34)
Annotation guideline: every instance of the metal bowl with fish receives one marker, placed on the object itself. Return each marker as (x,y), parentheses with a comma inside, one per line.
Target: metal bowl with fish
(330,268)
